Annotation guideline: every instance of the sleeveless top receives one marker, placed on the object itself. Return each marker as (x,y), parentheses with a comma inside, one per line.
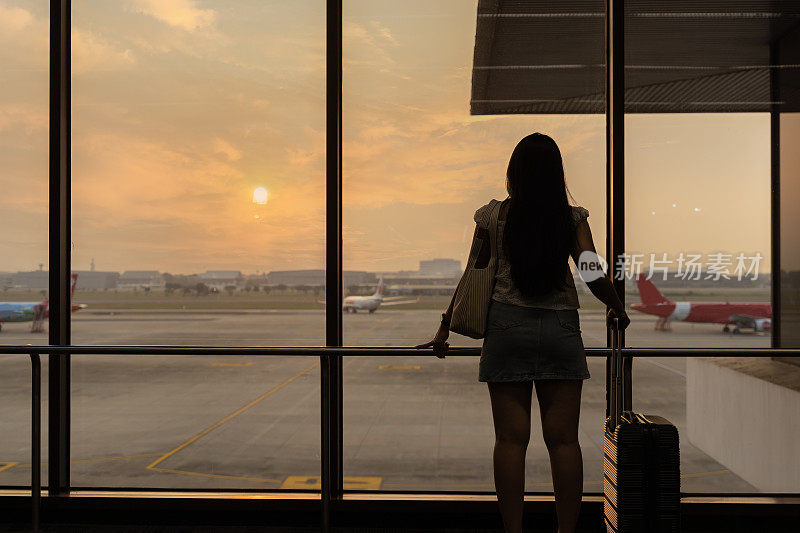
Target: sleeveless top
(504,289)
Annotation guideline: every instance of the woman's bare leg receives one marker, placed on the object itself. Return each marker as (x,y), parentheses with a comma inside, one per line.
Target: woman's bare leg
(560,404)
(511,410)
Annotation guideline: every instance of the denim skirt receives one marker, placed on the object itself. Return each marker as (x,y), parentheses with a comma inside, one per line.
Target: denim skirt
(528,343)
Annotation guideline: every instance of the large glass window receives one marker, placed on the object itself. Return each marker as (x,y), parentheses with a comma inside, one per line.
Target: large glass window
(195,422)
(697,173)
(726,408)
(416,166)
(697,229)
(24,45)
(787,120)
(198,188)
(198,218)
(420,423)
(790,222)
(698,176)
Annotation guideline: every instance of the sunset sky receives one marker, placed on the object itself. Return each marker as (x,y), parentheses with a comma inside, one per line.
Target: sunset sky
(181,108)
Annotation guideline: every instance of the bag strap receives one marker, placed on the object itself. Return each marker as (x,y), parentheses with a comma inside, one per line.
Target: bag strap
(493,224)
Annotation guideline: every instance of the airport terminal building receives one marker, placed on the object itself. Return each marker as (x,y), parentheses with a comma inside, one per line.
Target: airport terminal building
(212,139)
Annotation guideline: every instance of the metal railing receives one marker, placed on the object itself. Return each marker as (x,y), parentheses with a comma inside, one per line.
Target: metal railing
(299,351)
(36,436)
(36,439)
(371,351)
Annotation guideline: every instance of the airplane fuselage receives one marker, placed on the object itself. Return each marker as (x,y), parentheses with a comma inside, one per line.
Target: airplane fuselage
(17,311)
(34,311)
(705,312)
(362,303)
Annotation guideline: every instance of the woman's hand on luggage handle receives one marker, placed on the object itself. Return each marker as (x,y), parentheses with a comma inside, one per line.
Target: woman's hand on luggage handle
(438,343)
(624,321)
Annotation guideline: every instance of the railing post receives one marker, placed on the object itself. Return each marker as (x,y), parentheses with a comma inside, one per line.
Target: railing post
(36,439)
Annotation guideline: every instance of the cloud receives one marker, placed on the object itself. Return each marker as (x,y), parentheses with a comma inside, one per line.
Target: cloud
(178,13)
(364,46)
(222,146)
(383,32)
(13,19)
(29,118)
(90,52)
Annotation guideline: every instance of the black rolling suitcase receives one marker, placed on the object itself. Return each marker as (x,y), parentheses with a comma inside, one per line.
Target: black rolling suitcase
(641,464)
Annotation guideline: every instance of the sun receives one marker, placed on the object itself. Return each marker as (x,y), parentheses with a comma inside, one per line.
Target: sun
(260,195)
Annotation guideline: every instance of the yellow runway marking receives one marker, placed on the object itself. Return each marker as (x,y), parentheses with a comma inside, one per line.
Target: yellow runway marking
(215,476)
(7,465)
(231,416)
(116,458)
(348,483)
(233,364)
(101,459)
(398,367)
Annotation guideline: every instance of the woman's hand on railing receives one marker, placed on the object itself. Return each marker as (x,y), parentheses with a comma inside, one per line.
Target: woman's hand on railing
(438,343)
(624,321)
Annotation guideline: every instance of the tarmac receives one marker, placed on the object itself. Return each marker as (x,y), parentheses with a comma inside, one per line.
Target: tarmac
(414,423)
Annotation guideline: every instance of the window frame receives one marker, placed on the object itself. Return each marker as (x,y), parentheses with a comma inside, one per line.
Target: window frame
(59,348)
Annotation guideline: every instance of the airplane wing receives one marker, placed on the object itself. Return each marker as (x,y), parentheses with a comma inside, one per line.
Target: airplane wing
(398,302)
(747,321)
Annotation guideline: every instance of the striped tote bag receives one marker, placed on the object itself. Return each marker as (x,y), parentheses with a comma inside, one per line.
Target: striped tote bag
(471,302)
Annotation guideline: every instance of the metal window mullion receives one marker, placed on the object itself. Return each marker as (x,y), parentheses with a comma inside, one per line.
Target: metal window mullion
(331,365)
(775,194)
(615,167)
(59,266)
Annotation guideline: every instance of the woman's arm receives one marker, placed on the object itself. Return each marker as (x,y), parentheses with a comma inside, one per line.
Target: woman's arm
(602,288)
(439,341)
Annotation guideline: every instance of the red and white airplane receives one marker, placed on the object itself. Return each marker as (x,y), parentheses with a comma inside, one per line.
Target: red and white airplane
(34,312)
(757,316)
(354,304)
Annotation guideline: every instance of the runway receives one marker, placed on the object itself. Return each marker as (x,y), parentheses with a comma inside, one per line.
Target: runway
(413,423)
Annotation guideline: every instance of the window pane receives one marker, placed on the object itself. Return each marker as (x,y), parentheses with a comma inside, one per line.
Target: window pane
(788,121)
(419,423)
(712,178)
(24,97)
(198,218)
(198,189)
(195,422)
(735,417)
(790,222)
(416,166)
(697,141)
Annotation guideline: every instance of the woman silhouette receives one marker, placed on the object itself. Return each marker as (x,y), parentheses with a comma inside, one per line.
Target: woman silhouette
(533,333)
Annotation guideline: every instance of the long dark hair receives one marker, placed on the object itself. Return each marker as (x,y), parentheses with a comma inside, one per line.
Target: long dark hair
(539,231)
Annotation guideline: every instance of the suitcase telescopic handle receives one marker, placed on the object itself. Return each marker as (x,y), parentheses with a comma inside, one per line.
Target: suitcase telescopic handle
(615,395)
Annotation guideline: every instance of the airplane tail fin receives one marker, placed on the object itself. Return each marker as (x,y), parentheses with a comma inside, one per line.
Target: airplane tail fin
(72,288)
(379,289)
(648,291)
